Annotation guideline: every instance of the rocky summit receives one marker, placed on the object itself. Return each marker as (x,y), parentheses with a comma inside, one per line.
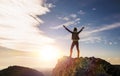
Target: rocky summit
(91,66)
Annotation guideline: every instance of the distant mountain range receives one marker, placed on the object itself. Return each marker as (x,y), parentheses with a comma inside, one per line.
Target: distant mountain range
(19,71)
(91,66)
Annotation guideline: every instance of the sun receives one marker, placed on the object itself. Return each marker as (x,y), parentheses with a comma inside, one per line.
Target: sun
(49,53)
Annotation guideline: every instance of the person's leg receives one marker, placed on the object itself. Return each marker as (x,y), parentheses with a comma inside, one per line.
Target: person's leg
(77,46)
(72,45)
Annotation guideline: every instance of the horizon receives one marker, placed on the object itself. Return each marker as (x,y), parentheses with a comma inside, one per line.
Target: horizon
(32,32)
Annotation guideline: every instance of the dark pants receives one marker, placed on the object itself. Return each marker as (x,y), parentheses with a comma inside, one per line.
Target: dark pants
(74,43)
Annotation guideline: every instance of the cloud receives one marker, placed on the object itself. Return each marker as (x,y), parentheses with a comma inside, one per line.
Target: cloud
(49,5)
(91,39)
(88,35)
(93,9)
(81,12)
(110,43)
(64,18)
(18,23)
(69,17)
(100,29)
(73,15)
(69,23)
(106,27)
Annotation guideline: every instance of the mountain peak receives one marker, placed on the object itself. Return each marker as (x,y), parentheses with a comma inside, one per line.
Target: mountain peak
(84,66)
(19,71)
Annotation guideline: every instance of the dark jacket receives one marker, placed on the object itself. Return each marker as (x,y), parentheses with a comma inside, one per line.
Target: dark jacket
(75,34)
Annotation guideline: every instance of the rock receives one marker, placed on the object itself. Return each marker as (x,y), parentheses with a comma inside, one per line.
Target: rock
(19,71)
(91,66)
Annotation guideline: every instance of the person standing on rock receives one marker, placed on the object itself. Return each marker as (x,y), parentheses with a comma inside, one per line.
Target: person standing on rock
(75,39)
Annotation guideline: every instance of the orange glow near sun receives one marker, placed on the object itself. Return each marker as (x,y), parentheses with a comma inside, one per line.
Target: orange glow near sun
(50,53)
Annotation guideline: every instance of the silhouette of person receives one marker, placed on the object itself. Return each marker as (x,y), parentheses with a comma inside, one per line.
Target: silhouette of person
(75,38)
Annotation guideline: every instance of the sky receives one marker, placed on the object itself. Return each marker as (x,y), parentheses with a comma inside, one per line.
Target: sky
(29,27)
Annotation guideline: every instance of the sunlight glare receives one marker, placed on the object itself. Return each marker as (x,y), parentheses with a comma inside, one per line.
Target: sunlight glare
(50,53)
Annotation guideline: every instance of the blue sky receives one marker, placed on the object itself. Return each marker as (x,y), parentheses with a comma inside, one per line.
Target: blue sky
(31,26)
(102,17)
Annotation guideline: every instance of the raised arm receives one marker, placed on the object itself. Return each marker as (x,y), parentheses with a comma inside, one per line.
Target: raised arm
(81,29)
(67,29)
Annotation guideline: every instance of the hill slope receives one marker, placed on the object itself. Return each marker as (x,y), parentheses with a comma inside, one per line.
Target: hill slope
(84,67)
(19,71)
